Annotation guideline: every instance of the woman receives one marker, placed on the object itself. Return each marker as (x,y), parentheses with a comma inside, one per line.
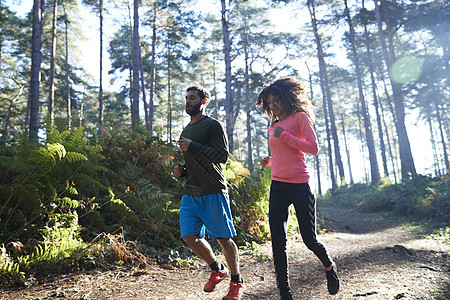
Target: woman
(291,135)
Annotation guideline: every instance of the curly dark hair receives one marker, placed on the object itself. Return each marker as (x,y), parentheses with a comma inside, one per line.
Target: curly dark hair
(291,92)
(202,92)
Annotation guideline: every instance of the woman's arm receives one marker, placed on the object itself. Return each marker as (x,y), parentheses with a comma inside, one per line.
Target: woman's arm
(309,145)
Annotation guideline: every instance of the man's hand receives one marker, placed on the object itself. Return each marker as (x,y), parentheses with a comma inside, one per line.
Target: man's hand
(266,161)
(184,143)
(277,131)
(179,170)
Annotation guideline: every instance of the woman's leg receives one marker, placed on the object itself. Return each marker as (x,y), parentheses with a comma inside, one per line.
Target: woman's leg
(305,208)
(278,216)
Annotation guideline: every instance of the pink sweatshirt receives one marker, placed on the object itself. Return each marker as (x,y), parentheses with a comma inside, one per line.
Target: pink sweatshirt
(288,150)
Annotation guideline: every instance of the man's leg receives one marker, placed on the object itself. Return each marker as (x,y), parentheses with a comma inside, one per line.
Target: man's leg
(230,251)
(201,247)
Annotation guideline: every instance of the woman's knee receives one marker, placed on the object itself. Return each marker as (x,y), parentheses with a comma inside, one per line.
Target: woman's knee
(314,245)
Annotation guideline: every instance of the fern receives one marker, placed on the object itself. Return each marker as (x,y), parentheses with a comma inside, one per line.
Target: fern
(75,138)
(121,210)
(57,151)
(145,186)
(75,157)
(156,210)
(10,272)
(67,202)
(89,184)
(12,164)
(92,168)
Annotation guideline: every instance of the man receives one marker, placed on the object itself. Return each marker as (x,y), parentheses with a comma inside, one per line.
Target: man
(205,203)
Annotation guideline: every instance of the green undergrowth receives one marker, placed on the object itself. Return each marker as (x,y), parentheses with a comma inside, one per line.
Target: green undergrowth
(421,204)
(64,200)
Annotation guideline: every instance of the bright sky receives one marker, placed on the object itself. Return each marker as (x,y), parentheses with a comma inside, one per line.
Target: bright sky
(418,131)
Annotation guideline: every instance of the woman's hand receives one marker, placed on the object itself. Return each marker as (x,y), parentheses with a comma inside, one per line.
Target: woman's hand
(266,161)
(277,131)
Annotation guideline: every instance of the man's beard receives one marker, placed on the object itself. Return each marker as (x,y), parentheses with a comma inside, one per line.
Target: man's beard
(194,109)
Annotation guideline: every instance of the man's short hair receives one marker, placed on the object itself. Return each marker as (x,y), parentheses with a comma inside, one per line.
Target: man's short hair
(202,92)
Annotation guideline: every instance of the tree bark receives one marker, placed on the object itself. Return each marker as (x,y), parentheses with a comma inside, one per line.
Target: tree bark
(100,92)
(144,96)
(35,72)
(407,162)
(68,102)
(347,151)
(135,63)
(375,98)
(437,169)
(216,100)
(51,96)
(152,72)
(169,94)
(228,91)
(441,131)
(327,96)
(247,97)
(316,158)
(388,139)
(374,171)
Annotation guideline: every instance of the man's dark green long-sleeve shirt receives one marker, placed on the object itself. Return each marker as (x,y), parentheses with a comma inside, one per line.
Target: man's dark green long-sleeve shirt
(209,148)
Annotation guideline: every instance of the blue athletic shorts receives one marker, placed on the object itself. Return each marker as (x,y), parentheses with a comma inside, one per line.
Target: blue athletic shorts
(209,211)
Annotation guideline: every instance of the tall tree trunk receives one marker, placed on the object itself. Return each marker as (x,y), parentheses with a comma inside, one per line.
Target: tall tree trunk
(326,90)
(81,112)
(68,103)
(375,97)
(135,60)
(408,168)
(347,150)
(152,72)
(169,94)
(51,96)
(316,158)
(361,139)
(247,97)
(216,100)
(441,131)
(374,171)
(144,96)
(436,165)
(100,92)
(1,46)
(391,152)
(327,130)
(228,92)
(35,72)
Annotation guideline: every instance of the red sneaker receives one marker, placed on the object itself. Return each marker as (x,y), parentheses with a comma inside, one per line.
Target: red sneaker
(235,291)
(214,279)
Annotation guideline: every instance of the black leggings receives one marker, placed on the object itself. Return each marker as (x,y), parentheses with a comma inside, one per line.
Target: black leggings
(282,195)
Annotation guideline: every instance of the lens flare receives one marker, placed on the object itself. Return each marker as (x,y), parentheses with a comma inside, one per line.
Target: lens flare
(406,69)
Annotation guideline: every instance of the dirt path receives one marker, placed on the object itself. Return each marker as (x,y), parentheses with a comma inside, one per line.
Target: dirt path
(376,260)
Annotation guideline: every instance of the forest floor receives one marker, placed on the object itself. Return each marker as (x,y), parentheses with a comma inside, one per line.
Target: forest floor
(376,259)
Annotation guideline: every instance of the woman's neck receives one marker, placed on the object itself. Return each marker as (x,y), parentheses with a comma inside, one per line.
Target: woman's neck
(283,116)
